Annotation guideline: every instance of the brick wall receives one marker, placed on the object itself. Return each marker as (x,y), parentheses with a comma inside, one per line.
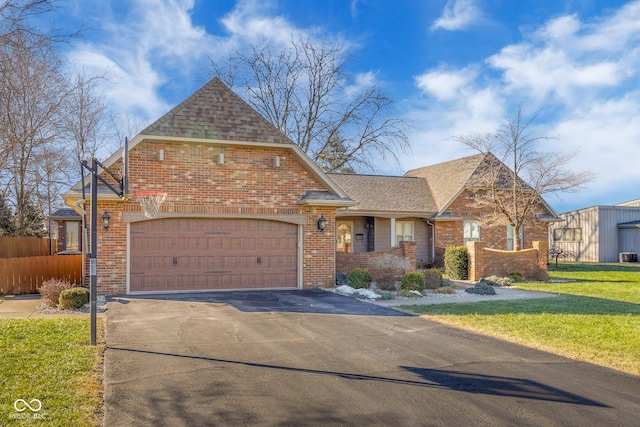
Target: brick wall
(345,262)
(196,184)
(450,233)
(485,261)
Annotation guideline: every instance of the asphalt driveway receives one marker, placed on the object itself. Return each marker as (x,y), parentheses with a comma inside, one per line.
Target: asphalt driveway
(311,357)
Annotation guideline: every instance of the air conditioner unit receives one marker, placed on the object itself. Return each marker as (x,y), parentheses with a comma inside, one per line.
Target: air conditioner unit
(628,257)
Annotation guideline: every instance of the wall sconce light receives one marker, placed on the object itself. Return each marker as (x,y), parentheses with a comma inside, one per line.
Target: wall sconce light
(105,220)
(221,159)
(321,222)
(161,155)
(276,161)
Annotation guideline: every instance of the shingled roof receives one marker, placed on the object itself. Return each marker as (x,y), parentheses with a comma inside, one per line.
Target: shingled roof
(448,178)
(392,194)
(215,112)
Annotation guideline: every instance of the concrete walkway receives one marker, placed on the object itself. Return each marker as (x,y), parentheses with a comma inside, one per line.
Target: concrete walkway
(25,307)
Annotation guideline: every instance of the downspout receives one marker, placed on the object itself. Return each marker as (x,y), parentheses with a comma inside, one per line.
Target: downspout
(433,240)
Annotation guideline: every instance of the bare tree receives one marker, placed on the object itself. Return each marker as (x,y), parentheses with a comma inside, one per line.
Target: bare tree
(514,176)
(32,92)
(85,120)
(17,22)
(303,89)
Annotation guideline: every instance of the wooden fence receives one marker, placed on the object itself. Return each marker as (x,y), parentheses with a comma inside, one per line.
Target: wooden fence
(25,275)
(17,247)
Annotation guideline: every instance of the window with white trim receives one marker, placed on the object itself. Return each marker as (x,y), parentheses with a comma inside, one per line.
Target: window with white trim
(404,231)
(471,231)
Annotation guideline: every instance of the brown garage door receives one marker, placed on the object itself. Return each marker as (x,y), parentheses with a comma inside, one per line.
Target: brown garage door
(181,254)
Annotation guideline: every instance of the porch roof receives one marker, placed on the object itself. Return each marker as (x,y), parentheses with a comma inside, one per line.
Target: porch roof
(388,194)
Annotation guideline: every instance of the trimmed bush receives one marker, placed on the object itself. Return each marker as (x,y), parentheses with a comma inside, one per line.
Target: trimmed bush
(481,289)
(73,298)
(516,276)
(51,289)
(433,278)
(456,261)
(413,281)
(359,278)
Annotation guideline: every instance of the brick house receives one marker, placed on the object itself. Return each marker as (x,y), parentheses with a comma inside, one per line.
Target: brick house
(242,208)
(68,230)
(433,206)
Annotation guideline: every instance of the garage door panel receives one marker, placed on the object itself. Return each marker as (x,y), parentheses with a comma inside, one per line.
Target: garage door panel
(207,254)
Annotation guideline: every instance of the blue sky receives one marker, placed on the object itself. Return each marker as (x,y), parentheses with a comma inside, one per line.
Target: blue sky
(453,67)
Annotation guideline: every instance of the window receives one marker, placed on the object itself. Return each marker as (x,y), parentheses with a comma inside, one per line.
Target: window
(71,237)
(404,231)
(344,237)
(567,234)
(510,242)
(471,231)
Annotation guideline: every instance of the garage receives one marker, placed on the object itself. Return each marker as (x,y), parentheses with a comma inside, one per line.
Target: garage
(189,254)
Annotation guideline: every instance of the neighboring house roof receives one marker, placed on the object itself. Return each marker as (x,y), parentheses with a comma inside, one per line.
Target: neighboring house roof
(387,194)
(215,112)
(65,214)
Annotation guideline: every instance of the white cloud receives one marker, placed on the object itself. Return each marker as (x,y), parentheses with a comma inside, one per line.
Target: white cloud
(586,73)
(139,51)
(446,85)
(457,15)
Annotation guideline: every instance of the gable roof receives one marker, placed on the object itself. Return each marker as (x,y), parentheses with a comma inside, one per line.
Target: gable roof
(215,112)
(446,180)
(387,194)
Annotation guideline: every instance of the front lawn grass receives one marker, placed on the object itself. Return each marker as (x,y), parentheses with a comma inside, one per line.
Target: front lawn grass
(50,360)
(595,318)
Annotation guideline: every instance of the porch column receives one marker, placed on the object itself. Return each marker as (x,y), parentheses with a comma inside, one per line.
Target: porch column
(393,232)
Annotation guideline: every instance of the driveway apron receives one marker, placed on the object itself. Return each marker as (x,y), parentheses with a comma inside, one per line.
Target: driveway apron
(311,357)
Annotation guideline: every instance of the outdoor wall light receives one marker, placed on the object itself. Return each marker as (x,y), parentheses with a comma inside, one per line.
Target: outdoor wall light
(276,161)
(221,159)
(105,220)
(321,222)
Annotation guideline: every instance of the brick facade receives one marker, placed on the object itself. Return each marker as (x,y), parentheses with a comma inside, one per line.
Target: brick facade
(247,185)
(450,233)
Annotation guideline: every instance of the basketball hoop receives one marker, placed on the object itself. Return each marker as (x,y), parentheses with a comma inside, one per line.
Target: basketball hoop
(150,200)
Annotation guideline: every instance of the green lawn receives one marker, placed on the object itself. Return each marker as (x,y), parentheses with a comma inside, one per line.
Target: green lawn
(595,318)
(49,360)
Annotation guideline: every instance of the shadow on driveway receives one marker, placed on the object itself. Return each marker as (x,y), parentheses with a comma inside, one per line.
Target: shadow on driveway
(317,301)
(468,382)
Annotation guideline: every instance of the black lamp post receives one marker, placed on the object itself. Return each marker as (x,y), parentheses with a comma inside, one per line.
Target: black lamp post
(120,190)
